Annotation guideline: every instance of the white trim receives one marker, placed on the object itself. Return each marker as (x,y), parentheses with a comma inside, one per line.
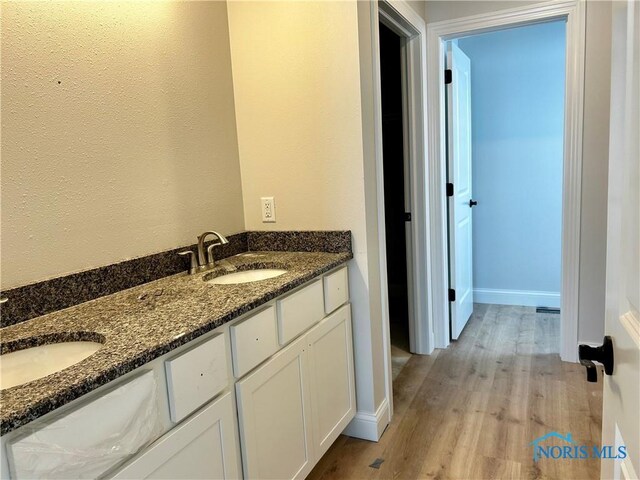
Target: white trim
(402,19)
(574,13)
(526,298)
(369,426)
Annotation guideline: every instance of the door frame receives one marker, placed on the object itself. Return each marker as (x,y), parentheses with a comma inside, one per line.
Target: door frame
(573,12)
(402,19)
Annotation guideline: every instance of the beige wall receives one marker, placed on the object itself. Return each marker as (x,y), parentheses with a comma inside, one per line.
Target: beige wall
(419,7)
(118,132)
(296,80)
(439,10)
(298,107)
(595,150)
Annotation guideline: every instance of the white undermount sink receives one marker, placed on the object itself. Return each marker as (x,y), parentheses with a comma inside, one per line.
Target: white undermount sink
(247,276)
(26,365)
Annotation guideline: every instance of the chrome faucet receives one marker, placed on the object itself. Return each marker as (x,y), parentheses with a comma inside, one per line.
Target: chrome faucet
(209,262)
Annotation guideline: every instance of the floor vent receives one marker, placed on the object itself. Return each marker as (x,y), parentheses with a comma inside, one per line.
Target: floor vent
(547,310)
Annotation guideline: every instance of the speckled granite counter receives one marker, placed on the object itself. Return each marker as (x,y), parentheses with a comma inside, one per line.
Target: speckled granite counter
(143,323)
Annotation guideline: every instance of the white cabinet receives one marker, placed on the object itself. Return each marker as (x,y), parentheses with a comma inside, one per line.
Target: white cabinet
(292,408)
(275,417)
(293,402)
(195,376)
(336,289)
(203,447)
(299,311)
(253,340)
(333,397)
(89,440)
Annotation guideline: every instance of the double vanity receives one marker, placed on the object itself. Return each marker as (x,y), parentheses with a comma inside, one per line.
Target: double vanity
(245,370)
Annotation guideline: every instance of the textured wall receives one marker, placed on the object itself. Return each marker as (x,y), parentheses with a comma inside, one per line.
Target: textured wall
(517,106)
(418,6)
(296,80)
(118,132)
(298,105)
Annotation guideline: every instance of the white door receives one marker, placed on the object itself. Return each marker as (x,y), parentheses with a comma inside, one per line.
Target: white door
(459,174)
(275,417)
(205,446)
(333,395)
(621,401)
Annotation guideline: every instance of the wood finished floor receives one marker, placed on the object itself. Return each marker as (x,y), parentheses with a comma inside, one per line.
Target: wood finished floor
(470,411)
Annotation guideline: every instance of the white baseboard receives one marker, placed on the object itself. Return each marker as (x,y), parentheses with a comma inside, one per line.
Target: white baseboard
(369,426)
(527,298)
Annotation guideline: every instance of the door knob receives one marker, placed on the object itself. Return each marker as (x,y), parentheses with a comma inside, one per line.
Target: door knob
(602,354)
(472,203)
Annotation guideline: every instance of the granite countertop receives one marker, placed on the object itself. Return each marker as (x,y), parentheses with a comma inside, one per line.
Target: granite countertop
(142,323)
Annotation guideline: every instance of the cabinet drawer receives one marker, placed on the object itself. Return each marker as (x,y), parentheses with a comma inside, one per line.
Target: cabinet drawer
(195,376)
(336,290)
(92,438)
(205,446)
(253,340)
(299,311)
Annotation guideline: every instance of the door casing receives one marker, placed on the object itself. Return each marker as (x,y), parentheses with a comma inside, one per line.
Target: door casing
(403,20)
(573,12)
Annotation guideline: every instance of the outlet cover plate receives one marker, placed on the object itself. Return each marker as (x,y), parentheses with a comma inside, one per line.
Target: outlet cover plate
(268,209)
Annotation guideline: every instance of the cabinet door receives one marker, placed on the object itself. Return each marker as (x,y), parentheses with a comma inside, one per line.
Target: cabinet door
(275,417)
(333,398)
(203,447)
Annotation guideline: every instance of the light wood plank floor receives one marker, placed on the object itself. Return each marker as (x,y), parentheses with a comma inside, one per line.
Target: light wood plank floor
(470,411)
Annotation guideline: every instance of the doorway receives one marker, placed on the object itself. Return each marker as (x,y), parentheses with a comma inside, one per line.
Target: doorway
(573,13)
(396,198)
(505,122)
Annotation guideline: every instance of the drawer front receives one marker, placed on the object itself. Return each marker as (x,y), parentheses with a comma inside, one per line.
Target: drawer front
(253,340)
(336,290)
(92,438)
(299,311)
(205,446)
(194,377)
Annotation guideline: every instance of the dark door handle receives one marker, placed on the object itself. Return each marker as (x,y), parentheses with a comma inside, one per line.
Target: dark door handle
(602,354)
(472,203)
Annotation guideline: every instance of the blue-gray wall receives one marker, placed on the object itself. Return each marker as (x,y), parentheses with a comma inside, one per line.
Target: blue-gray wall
(517,92)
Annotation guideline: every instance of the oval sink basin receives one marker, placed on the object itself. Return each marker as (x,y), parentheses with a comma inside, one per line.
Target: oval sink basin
(26,365)
(247,276)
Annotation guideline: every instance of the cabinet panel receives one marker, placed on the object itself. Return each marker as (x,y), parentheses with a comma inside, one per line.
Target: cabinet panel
(275,417)
(253,340)
(195,376)
(299,311)
(203,447)
(91,439)
(336,290)
(333,400)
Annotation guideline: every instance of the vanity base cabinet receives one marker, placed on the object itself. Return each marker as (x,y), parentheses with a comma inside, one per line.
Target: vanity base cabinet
(293,407)
(331,378)
(205,446)
(275,417)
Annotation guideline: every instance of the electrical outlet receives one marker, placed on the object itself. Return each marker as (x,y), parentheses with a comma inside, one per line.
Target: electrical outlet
(268,210)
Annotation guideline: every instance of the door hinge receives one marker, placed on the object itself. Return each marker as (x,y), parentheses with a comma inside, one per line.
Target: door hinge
(452,295)
(449,189)
(407,216)
(448,76)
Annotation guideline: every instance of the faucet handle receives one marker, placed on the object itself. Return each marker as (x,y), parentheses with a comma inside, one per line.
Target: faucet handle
(193,266)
